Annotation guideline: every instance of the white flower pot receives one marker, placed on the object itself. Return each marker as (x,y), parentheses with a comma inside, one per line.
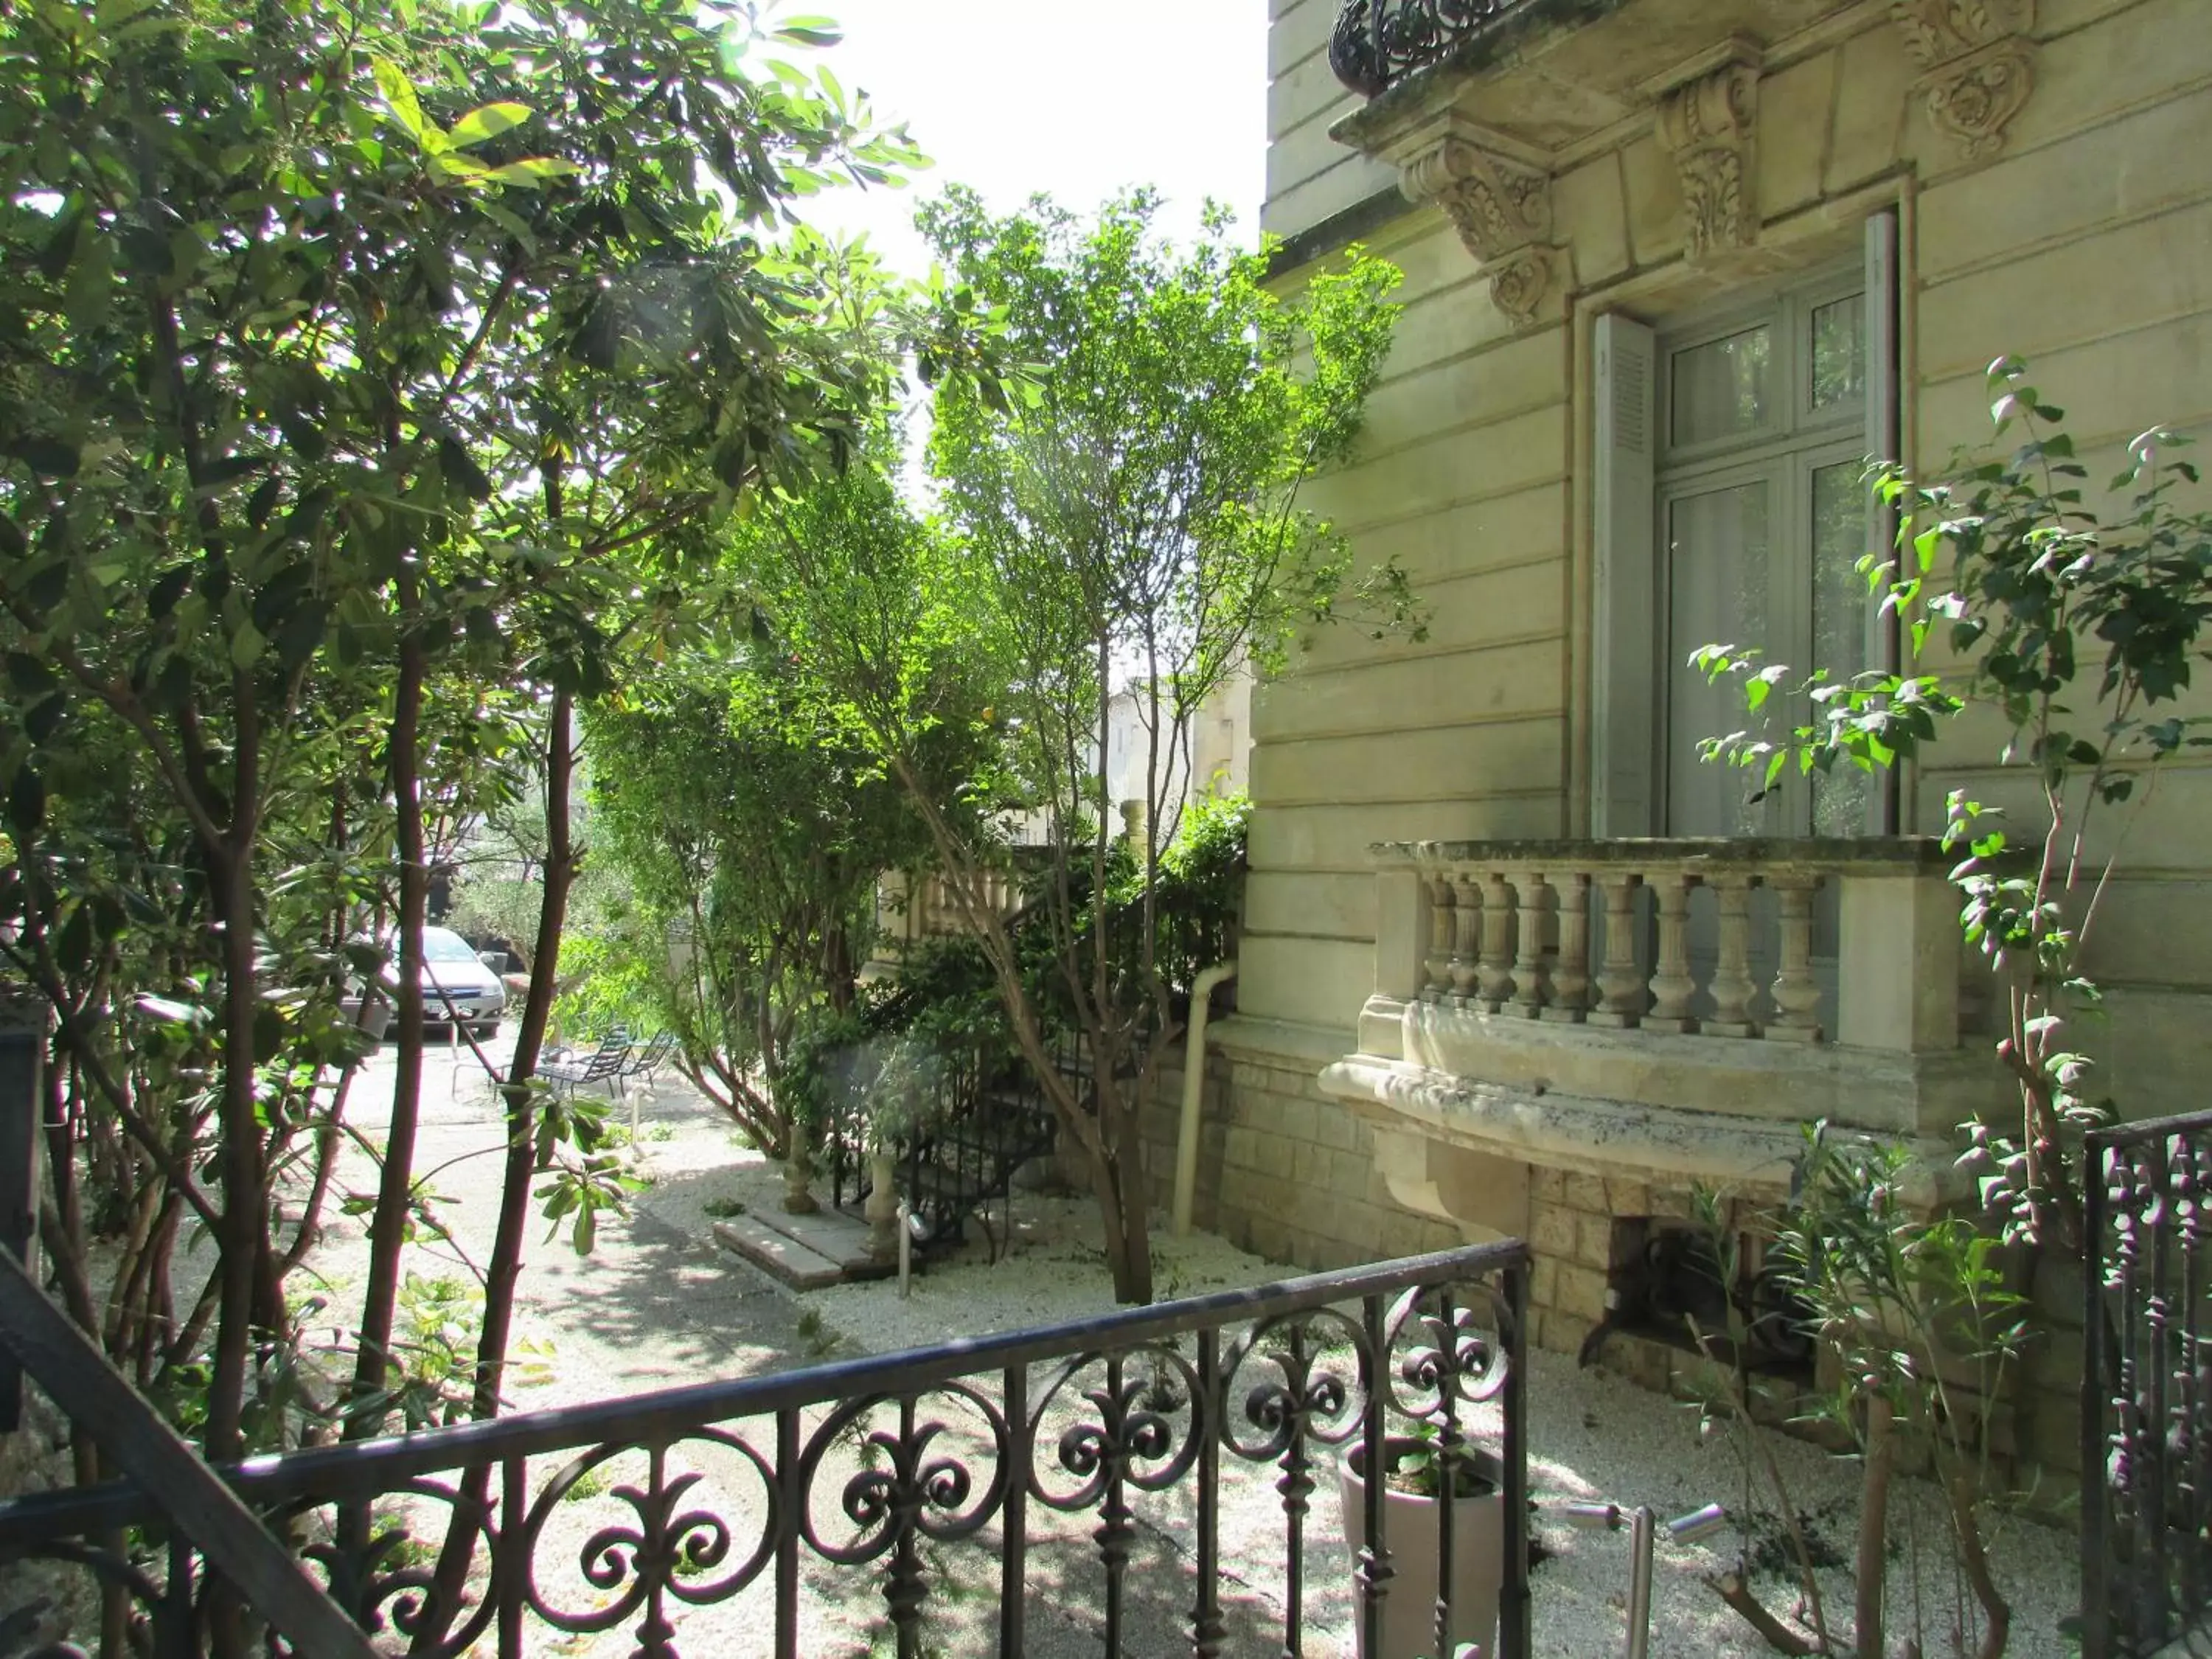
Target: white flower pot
(1410,1528)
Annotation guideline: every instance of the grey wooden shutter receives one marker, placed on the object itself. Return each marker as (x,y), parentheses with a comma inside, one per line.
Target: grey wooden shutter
(1884,443)
(1625,628)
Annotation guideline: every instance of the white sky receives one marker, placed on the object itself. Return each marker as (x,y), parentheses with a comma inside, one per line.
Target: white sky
(1077,98)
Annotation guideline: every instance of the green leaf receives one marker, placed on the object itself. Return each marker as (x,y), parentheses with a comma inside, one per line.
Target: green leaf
(535,170)
(400,95)
(488,121)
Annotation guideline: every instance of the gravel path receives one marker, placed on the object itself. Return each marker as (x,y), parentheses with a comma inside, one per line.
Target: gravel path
(656,1304)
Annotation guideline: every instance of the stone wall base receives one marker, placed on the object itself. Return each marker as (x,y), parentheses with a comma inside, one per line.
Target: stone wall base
(1289,1173)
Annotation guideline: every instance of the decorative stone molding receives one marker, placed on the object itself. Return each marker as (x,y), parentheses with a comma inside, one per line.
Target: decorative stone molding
(1498,197)
(1979,64)
(1708,124)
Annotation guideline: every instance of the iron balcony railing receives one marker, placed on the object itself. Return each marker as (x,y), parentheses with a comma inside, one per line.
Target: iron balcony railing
(1017,1465)
(2146,1391)
(1377,42)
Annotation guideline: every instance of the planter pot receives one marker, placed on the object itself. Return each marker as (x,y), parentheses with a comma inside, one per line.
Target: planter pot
(1410,1528)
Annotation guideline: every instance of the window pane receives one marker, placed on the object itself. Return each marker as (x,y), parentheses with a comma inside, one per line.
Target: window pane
(1839,354)
(1840,608)
(1721,388)
(1716,578)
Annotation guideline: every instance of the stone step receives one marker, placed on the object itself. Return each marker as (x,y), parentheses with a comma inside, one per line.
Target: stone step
(804,1251)
(777,1254)
(842,1238)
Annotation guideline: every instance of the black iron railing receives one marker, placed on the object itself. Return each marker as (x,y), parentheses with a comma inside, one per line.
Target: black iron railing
(1087,1469)
(1377,42)
(2146,1389)
(969,1119)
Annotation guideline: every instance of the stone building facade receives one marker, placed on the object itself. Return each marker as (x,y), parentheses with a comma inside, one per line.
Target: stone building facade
(1673,268)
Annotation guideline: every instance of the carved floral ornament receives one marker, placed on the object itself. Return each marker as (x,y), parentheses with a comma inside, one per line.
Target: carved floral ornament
(1707,124)
(1498,197)
(1978,61)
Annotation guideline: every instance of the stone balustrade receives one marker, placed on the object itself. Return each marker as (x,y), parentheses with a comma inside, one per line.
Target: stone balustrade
(910,909)
(1728,939)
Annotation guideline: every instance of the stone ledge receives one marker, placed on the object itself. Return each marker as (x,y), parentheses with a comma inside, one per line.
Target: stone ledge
(1279,1044)
(1605,1138)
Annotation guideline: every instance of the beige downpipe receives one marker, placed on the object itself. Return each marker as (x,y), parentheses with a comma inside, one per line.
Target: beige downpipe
(1194,1090)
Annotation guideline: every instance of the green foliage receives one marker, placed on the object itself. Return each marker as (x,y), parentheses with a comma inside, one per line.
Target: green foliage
(749,834)
(366,375)
(1131,517)
(1915,1311)
(2010,563)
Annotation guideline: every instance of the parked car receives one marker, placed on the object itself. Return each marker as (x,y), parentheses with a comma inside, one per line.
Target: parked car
(457,987)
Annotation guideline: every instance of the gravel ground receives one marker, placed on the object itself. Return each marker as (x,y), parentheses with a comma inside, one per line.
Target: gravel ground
(656,1304)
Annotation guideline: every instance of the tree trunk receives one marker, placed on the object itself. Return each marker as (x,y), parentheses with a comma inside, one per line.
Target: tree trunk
(505,1272)
(1117,1176)
(395,1189)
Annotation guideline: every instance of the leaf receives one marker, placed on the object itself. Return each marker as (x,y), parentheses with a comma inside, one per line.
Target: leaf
(461,470)
(399,95)
(26,801)
(808,31)
(488,121)
(535,170)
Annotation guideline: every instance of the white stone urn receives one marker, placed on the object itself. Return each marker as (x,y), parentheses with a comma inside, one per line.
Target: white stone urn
(798,1179)
(1410,1528)
(882,1207)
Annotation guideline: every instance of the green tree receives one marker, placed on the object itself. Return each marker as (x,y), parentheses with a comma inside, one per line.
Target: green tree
(2079,625)
(750,836)
(354,361)
(1133,515)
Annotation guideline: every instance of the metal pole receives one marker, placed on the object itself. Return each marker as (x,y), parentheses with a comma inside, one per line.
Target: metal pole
(906,1247)
(1641,1525)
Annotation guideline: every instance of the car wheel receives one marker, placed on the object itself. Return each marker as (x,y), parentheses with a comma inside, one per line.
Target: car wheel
(485,1033)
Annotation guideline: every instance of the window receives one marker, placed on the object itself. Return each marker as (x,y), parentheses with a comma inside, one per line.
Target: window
(1730,508)
(1761,521)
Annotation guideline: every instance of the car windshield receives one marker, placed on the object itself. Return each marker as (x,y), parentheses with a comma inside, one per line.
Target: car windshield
(443,944)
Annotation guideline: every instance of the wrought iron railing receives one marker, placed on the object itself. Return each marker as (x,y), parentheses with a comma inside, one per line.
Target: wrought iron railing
(977,1466)
(2146,1391)
(1377,42)
(975,1116)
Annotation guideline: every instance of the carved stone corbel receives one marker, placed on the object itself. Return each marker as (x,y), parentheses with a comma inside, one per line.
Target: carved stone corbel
(1498,197)
(1709,124)
(1979,64)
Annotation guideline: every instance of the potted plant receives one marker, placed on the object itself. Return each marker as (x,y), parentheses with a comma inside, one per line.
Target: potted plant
(1413,1479)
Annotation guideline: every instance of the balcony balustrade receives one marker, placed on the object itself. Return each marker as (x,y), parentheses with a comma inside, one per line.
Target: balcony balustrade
(1635,1008)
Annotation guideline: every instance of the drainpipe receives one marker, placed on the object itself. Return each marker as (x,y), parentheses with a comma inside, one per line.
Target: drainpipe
(1194,1090)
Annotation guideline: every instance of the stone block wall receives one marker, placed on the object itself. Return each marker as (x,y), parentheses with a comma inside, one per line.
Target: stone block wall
(1288,1173)
(1284,1171)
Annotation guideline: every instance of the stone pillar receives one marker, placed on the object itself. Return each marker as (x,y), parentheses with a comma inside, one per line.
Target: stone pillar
(1898,968)
(1570,970)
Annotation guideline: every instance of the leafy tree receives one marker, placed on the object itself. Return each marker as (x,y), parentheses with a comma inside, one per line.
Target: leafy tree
(751,836)
(1133,514)
(357,363)
(2080,626)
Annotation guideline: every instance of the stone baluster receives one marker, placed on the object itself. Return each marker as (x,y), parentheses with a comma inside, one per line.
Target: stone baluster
(1467,939)
(1497,964)
(1733,986)
(1437,965)
(1571,969)
(1797,993)
(1621,994)
(1673,985)
(1531,904)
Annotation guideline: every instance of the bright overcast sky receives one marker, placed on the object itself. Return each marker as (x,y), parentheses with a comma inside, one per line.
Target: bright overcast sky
(1077,98)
